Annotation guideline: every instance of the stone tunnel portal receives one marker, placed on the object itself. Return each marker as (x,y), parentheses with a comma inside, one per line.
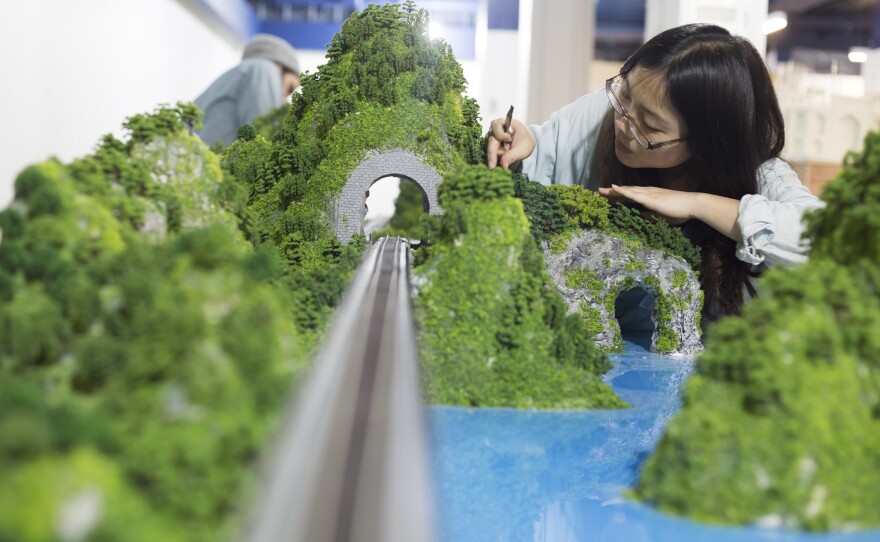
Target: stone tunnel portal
(349,208)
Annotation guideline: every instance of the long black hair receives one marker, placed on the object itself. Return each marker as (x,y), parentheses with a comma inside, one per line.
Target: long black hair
(722,89)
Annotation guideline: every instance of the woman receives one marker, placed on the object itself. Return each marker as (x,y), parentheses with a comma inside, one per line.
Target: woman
(691,130)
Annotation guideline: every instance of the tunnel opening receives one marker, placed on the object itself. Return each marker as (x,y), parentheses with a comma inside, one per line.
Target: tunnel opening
(395,205)
(634,312)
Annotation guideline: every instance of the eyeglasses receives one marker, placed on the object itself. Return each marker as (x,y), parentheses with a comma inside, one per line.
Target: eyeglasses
(614,89)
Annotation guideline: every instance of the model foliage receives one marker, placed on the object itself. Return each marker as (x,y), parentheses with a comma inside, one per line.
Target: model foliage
(558,209)
(145,345)
(556,213)
(781,423)
(494,331)
(155,305)
(385,85)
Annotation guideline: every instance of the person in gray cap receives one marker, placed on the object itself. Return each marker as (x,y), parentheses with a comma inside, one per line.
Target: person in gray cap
(266,77)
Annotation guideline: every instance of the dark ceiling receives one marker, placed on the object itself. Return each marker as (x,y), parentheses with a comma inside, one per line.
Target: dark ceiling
(619,28)
(807,7)
(820,32)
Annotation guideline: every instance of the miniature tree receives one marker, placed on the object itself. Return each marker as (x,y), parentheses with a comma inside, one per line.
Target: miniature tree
(542,207)
(190,115)
(246,132)
(585,209)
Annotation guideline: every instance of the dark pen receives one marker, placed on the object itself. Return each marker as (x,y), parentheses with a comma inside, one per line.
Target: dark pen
(507,122)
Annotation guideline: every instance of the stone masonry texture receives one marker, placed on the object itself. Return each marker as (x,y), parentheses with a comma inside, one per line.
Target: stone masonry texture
(348,210)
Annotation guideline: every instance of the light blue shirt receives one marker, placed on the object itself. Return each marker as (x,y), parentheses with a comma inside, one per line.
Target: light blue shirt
(245,92)
(770,221)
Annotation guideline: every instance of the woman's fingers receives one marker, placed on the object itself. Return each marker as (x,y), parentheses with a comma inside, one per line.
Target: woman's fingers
(633,193)
(497,138)
(612,196)
(506,148)
(492,148)
(518,149)
(674,205)
(611,193)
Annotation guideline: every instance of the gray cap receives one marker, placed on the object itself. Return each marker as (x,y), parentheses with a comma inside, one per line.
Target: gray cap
(272,48)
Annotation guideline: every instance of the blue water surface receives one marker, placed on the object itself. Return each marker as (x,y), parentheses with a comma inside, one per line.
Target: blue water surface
(504,475)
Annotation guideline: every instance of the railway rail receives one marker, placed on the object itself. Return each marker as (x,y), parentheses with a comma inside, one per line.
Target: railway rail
(351,460)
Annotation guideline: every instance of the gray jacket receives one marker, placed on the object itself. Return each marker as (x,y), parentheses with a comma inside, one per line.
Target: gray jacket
(245,92)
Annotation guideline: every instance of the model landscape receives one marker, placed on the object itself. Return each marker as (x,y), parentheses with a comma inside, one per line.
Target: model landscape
(146,345)
(494,331)
(781,422)
(159,300)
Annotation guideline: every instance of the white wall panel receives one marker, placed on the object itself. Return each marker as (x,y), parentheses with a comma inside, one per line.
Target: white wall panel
(740,17)
(73,71)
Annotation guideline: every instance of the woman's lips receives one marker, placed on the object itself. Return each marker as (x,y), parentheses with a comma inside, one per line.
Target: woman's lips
(620,146)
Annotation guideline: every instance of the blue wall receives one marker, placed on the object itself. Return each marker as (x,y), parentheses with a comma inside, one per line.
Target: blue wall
(302,34)
(237,16)
(456,18)
(503,14)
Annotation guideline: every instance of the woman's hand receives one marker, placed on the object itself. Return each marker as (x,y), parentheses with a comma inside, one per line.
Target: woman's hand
(508,149)
(675,206)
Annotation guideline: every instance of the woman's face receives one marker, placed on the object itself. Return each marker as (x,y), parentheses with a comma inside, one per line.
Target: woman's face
(644,99)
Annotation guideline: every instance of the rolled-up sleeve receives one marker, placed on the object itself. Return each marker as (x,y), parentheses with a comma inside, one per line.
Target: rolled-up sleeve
(771,222)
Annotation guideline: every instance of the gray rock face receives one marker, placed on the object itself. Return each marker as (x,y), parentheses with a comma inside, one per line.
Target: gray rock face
(186,171)
(596,267)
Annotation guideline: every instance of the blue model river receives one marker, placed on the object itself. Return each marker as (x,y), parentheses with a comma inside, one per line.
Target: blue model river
(504,475)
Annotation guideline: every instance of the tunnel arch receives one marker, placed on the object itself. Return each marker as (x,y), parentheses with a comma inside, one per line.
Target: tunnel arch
(596,267)
(381,201)
(348,209)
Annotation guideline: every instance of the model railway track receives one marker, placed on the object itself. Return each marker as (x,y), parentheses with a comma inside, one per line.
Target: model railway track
(351,462)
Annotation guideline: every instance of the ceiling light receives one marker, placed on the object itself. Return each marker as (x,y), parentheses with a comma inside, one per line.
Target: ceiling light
(435,31)
(858,54)
(776,20)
